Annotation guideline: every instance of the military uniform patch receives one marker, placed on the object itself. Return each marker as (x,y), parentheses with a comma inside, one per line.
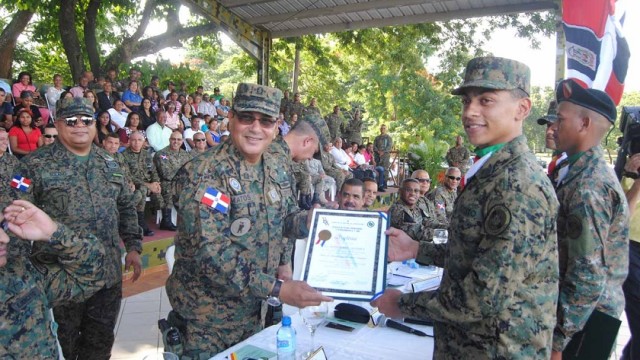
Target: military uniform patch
(573,227)
(498,220)
(240,226)
(235,185)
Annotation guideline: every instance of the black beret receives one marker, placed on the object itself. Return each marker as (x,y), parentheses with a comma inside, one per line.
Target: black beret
(592,99)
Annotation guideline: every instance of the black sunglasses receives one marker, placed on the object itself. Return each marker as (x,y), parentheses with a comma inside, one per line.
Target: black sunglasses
(454,177)
(73,121)
(424,180)
(248,119)
(49,136)
(199,140)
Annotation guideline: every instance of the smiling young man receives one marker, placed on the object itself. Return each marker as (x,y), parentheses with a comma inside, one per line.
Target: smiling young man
(237,212)
(497,298)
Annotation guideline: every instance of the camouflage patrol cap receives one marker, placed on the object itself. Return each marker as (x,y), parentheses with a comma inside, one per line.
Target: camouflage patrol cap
(495,73)
(72,107)
(319,126)
(552,114)
(259,98)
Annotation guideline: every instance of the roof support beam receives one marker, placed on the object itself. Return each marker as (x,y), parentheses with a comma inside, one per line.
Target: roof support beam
(255,41)
(417,19)
(335,10)
(230,4)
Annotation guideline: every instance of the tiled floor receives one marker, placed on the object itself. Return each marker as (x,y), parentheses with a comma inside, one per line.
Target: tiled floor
(137,333)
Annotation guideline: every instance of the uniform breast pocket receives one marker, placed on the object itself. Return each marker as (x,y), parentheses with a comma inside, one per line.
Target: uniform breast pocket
(55,195)
(115,185)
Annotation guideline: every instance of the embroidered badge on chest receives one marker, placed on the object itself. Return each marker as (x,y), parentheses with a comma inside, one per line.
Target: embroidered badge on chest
(274,197)
(240,226)
(235,185)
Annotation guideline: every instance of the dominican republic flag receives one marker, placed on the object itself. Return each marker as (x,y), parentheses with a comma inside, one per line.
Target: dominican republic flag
(21,183)
(216,200)
(597,51)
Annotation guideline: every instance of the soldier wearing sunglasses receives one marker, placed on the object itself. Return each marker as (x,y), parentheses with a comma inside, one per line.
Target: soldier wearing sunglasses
(444,196)
(81,186)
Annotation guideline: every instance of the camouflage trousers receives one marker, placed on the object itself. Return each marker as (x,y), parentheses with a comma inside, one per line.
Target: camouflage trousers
(85,330)
(157,201)
(167,193)
(320,184)
(303,179)
(384,161)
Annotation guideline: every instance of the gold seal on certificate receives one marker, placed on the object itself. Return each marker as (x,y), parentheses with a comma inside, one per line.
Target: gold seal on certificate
(346,256)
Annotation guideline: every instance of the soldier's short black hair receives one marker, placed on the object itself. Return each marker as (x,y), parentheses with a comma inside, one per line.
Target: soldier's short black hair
(353,182)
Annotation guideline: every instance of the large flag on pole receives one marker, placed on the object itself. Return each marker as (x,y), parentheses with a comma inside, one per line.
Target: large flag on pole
(597,51)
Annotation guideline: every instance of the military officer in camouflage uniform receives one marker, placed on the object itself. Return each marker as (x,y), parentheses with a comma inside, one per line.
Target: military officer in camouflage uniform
(499,290)
(28,289)
(144,175)
(413,217)
(285,102)
(382,146)
(295,107)
(352,130)
(458,156)
(593,225)
(237,211)
(444,196)
(83,187)
(167,162)
(334,122)
(312,108)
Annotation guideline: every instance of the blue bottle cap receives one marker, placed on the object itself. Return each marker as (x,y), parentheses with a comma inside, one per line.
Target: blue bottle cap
(286,321)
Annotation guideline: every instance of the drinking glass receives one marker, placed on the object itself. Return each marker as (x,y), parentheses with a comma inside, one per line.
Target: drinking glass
(312,316)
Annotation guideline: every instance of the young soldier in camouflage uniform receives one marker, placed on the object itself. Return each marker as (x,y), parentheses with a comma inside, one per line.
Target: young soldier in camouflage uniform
(417,219)
(593,222)
(144,175)
(237,210)
(444,196)
(83,187)
(28,288)
(295,107)
(352,130)
(334,122)
(458,156)
(499,291)
(167,162)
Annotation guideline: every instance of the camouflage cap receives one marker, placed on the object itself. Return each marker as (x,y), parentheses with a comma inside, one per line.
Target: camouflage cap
(259,98)
(319,126)
(552,114)
(73,107)
(495,73)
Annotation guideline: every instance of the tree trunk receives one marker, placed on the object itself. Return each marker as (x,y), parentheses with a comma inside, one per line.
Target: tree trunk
(69,37)
(296,66)
(8,40)
(90,41)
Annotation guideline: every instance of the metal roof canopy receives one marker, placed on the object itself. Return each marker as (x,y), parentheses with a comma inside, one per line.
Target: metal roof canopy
(253,23)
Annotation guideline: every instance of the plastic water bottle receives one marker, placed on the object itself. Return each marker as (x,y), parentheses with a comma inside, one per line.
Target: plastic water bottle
(286,340)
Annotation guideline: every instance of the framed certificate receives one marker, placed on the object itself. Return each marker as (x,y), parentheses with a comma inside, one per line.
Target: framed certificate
(346,255)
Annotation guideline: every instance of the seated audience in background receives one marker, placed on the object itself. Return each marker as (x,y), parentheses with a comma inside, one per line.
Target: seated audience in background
(147,114)
(224,132)
(223,109)
(53,94)
(6,110)
(91,95)
(351,195)
(406,215)
(26,102)
(340,156)
(444,196)
(320,181)
(188,133)
(173,117)
(158,133)
(107,96)
(24,136)
(23,84)
(370,192)
(200,144)
(104,127)
(131,125)
(119,114)
(83,85)
(131,97)
(50,134)
(186,112)
(213,135)
(147,92)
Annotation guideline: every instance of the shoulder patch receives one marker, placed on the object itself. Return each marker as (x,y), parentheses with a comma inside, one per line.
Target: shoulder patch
(498,220)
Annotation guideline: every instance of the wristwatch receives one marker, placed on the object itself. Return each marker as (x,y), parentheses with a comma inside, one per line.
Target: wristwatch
(274,295)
